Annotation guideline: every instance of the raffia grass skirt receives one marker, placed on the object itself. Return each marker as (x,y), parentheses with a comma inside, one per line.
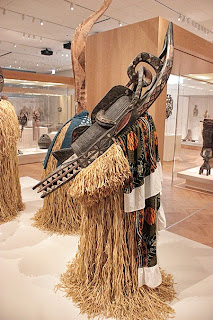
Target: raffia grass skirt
(103,280)
(10,189)
(59,214)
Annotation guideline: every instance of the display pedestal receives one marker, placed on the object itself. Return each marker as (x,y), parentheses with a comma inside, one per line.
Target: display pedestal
(32,155)
(169,142)
(196,180)
(27,138)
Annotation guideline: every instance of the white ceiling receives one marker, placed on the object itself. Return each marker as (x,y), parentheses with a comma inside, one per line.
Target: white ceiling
(60,23)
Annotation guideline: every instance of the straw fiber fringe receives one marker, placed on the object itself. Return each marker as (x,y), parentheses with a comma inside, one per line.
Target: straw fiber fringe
(104,176)
(10,189)
(103,280)
(59,214)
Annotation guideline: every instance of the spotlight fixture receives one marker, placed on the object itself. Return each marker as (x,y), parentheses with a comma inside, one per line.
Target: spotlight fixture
(10,66)
(120,23)
(67,45)
(41,23)
(71,6)
(19,67)
(14,45)
(179,18)
(47,52)
(4,12)
(40,39)
(28,36)
(53,71)
(62,54)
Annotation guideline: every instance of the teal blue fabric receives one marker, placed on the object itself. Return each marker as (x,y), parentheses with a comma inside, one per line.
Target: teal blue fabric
(79,119)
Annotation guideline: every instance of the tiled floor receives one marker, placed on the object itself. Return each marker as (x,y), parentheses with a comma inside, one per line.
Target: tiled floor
(196,208)
(31,262)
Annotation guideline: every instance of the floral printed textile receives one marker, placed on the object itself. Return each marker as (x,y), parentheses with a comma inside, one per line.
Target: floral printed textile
(145,227)
(140,146)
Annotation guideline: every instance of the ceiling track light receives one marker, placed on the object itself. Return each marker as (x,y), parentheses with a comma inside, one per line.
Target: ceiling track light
(120,23)
(41,22)
(14,45)
(179,18)
(71,6)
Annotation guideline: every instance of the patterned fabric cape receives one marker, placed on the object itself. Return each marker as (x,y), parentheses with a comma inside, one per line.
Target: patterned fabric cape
(140,145)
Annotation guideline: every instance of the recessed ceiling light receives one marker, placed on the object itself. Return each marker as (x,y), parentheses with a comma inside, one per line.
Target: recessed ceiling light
(66,55)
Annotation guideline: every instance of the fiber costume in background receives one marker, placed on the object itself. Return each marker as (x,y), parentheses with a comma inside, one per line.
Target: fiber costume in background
(116,179)
(60,213)
(10,189)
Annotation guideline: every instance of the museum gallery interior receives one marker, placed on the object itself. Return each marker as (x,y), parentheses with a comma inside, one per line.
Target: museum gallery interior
(106,159)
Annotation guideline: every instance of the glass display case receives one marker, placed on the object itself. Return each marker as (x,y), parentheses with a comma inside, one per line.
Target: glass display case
(42,108)
(191,98)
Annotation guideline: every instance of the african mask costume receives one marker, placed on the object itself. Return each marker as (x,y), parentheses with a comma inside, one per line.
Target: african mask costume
(10,190)
(115,172)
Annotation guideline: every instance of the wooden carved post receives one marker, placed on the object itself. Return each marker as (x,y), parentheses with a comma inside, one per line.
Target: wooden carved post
(78,54)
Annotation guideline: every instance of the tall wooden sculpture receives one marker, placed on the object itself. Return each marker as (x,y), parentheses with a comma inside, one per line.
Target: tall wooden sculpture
(116,179)
(10,190)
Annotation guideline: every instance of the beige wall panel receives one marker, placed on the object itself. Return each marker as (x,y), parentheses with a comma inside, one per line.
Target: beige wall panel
(108,56)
